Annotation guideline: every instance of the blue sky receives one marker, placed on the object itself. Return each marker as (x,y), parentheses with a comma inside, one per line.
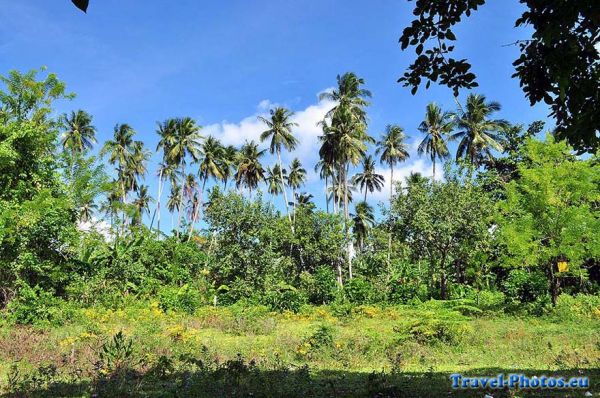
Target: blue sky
(224,63)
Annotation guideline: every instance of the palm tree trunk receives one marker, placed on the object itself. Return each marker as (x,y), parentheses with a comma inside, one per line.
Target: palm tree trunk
(346,220)
(294,206)
(365,194)
(157,209)
(181,198)
(287,210)
(326,194)
(391,197)
(197,210)
(334,193)
(433,168)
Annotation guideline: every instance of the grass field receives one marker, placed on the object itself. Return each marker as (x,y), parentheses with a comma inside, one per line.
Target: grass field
(248,351)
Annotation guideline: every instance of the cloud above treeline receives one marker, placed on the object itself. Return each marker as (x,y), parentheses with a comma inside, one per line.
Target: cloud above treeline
(308,131)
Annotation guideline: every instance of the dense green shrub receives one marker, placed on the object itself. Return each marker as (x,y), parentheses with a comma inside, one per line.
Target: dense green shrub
(433,331)
(283,297)
(581,306)
(186,298)
(35,306)
(525,286)
(321,286)
(358,290)
(403,291)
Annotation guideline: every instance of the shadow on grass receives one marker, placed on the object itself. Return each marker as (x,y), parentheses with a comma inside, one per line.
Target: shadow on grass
(238,379)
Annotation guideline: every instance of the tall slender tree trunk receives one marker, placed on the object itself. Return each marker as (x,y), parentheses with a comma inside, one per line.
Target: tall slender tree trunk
(335,183)
(287,210)
(294,206)
(197,210)
(389,257)
(326,194)
(157,209)
(181,198)
(433,168)
(346,220)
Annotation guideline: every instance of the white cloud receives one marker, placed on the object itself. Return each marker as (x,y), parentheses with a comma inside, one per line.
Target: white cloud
(95,225)
(249,128)
(307,131)
(400,173)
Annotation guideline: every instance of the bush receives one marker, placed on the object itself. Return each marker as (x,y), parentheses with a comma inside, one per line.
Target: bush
(234,292)
(34,306)
(249,319)
(525,286)
(185,298)
(321,339)
(491,301)
(320,287)
(283,297)
(358,291)
(433,331)
(403,292)
(581,306)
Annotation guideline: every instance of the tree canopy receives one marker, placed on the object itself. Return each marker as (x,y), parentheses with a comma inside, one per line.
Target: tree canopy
(559,64)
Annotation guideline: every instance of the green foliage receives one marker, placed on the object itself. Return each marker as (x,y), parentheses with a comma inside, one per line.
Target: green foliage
(35,306)
(488,301)
(117,354)
(524,286)
(37,240)
(321,286)
(241,233)
(557,66)
(550,213)
(358,290)
(447,224)
(283,297)
(579,307)
(433,331)
(185,298)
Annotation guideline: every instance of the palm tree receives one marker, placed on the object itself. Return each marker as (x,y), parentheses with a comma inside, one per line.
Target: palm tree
(174,201)
(184,143)
(347,141)
(296,178)
(119,150)
(393,150)
(326,172)
(275,184)
(329,161)
(415,178)
(249,169)
(280,134)
(436,126)
(209,166)
(478,134)
(141,204)
(363,221)
(135,168)
(339,191)
(228,163)
(113,201)
(304,200)
(79,134)
(166,131)
(368,179)
(348,94)
(87,209)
